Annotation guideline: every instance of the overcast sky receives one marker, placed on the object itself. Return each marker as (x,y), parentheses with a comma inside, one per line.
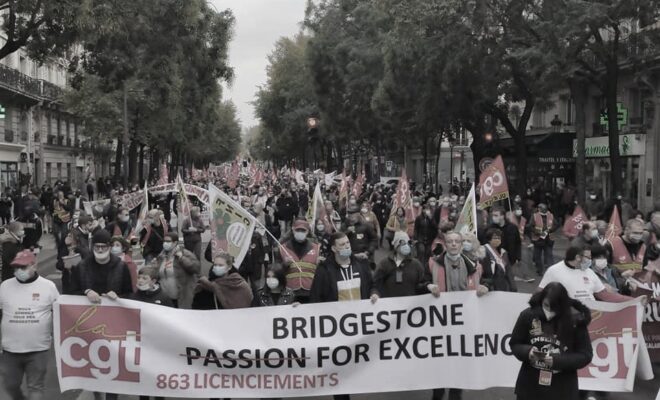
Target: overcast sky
(259,24)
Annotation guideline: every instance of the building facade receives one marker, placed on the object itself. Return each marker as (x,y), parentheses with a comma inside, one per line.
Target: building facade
(40,142)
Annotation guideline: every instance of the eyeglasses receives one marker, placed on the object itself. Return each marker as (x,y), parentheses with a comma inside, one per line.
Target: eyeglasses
(101,247)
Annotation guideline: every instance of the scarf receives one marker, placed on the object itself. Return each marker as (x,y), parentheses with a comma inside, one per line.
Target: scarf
(232,291)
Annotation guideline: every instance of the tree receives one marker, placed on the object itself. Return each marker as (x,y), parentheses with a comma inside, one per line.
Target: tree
(166,63)
(44,28)
(595,41)
(287,100)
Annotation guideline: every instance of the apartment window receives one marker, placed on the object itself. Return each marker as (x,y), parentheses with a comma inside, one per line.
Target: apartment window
(22,67)
(48,173)
(49,124)
(8,175)
(35,70)
(59,170)
(59,126)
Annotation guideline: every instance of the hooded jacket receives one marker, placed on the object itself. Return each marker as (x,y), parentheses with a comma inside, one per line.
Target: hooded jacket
(533,330)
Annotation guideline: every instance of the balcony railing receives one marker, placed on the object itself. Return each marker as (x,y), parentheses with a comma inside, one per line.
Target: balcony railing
(21,83)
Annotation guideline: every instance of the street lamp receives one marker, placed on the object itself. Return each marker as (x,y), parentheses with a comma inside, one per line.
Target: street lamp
(556,124)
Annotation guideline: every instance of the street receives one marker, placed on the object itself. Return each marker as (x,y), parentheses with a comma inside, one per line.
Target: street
(643,389)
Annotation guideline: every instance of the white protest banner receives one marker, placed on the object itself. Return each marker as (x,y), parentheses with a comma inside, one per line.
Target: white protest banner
(467,220)
(132,200)
(406,343)
(95,208)
(231,226)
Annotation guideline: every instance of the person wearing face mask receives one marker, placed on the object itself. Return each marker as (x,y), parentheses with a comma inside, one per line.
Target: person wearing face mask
(417,206)
(451,271)
(224,288)
(424,233)
(300,258)
(400,274)
(25,346)
(510,236)
(343,276)
(551,339)
(542,225)
(323,238)
(364,241)
(178,269)
(103,274)
(192,229)
(274,292)
(152,235)
(369,218)
(120,247)
(611,277)
(496,274)
(653,227)
(628,249)
(397,222)
(332,217)
(587,237)
(472,250)
(593,206)
(575,274)
(148,289)
(121,226)
(12,244)
(82,236)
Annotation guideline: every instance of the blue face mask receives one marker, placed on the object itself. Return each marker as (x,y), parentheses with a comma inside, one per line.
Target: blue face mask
(405,249)
(345,253)
(22,274)
(220,270)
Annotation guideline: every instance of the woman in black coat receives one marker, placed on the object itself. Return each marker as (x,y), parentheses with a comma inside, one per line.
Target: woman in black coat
(552,341)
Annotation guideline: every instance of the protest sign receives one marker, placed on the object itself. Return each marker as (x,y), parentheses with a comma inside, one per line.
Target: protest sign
(231,226)
(467,220)
(407,343)
(492,184)
(95,208)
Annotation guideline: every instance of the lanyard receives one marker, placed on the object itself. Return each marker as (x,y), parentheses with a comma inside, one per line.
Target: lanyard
(347,273)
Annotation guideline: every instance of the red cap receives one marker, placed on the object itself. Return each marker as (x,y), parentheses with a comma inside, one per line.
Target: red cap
(301,224)
(23,259)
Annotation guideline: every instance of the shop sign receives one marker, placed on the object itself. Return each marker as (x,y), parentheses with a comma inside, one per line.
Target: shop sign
(556,160)
(629,145)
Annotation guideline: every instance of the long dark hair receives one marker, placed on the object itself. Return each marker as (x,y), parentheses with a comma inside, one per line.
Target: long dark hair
(560,303)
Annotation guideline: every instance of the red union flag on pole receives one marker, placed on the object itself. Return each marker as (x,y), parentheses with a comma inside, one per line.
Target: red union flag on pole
(403,198)
(573,225)
(492,184)
(614,228)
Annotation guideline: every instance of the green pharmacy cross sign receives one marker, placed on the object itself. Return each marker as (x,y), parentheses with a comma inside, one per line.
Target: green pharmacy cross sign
(2,112)
(622,116)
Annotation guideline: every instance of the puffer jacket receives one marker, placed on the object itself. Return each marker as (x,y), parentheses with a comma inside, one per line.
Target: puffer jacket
(533,330)
(186,270)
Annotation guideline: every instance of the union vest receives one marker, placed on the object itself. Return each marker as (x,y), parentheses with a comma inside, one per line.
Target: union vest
(537,225)
(301,271)
(622,259)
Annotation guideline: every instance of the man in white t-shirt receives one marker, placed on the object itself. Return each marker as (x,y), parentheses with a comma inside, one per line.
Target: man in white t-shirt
(27,319)
(579,280)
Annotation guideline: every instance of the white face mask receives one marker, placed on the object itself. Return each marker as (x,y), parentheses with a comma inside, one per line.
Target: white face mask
(549,314)
(320,228)
(272,283)
(117,250)
(124,218)
(143,287)
(518,212)
(364,211)
(168,246)
(498,220)
(102,256)
(220,270)
(594,234)
(300,236)
(600,263)
(467,246)
(22,274)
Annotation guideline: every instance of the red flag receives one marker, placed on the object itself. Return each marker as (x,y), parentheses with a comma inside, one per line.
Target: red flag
(357,186)
(614,228)
(573,225)
(232,179)
(163,178)
(403,198)
(492,184)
